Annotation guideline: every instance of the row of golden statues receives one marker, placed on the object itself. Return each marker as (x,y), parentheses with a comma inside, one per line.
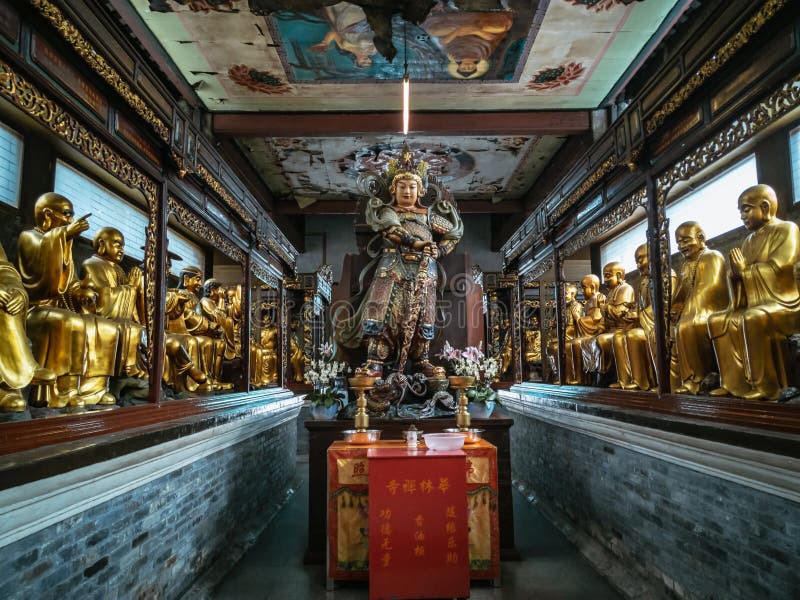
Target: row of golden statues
(68,331)
(727,317)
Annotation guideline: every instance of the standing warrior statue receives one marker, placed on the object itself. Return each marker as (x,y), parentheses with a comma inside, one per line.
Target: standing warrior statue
(396,316)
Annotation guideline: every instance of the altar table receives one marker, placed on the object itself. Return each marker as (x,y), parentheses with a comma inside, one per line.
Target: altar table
(348,509)
(321,434)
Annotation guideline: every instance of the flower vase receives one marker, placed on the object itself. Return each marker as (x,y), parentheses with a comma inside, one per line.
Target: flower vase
(480,410)
(319,412)
(340,389)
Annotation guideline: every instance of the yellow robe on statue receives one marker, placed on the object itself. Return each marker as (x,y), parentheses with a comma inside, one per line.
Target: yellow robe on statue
(64,341)
(701,291)
(119,302)
(764,308)
(17,364)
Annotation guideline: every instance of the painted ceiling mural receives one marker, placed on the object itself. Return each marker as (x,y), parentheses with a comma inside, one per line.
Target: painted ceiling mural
(323,55)
(308,170)
(247,55)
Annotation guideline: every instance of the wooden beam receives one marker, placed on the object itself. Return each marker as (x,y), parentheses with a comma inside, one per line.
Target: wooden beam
(350,207)
(428,123)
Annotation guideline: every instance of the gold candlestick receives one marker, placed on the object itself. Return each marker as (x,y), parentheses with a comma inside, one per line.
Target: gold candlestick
(459,383)
(362,383)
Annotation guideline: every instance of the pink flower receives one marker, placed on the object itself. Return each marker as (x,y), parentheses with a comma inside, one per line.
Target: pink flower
(472,354)
(449,353)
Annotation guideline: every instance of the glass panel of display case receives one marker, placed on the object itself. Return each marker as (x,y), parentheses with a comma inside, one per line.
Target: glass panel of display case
(547,319)
(531,316)
(80,345)
(734,305)
(265,349)
(204,346)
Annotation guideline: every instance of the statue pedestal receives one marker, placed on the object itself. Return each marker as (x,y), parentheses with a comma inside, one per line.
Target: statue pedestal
(321,434)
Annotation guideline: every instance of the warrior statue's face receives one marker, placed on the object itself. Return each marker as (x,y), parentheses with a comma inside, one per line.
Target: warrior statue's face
(406,193)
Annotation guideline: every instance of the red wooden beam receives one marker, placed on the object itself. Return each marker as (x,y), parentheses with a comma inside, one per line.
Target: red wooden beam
(428,123)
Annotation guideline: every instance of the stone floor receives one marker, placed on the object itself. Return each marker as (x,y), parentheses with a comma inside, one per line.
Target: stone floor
(551,568)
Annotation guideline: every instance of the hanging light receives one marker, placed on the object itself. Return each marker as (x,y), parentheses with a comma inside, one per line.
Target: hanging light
(406,90)
(406,82)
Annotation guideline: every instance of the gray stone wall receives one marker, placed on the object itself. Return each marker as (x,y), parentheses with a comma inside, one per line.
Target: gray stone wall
(701,536)
(154,541)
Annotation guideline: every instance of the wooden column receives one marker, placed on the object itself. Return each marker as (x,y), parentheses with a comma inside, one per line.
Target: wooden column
(244,329)
(658,259)
(283,313)
(516,330)
(160,300)
(561,306)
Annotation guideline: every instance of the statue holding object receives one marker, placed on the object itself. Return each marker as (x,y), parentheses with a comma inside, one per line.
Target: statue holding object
(396,316)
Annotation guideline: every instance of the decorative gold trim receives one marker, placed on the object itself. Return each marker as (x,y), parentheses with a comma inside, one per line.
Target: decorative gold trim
(516,333)
(223,193)
(719,58)
(285,333)
(743,128)
(534,227)
(28,98)
(96,61)
(307,319)
(608,221)
(263,275)
(276,248)
(587,184)
(198,225)
(540,269)
(183,168)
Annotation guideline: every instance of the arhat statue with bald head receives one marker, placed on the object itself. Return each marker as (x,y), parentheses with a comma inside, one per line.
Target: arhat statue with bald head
(619,316)
(79,348)
(750,336)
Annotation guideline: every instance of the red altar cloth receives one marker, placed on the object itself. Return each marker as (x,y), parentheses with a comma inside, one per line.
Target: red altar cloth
(417,525)
(348,509)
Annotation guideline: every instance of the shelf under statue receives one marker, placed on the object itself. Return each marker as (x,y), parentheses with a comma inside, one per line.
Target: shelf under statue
(396,315)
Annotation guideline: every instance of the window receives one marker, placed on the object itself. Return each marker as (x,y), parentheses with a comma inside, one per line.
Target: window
(794,147)
(622,248)
(109,210)
(190,253)
(10,166)
(713,205)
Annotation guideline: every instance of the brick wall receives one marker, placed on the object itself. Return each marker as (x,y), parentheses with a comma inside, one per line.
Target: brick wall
(701,536)
(155,540)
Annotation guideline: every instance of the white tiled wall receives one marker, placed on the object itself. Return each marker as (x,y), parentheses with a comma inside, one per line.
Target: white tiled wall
(109,210)
(10,166)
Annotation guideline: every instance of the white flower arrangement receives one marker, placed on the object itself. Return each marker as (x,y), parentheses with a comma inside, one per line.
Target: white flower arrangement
(320,373)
